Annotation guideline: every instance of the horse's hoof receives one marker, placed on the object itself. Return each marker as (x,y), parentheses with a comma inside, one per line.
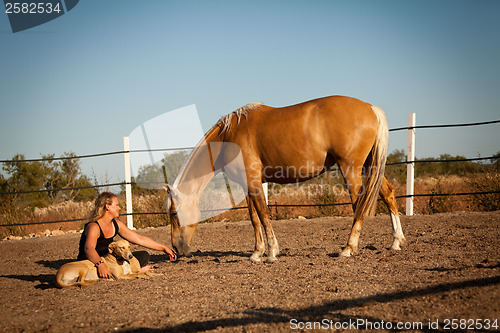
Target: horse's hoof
(395,247)
(271,259)
(397,243)
(347,252)
(255,259)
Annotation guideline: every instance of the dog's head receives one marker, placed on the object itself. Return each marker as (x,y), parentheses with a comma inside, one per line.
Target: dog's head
(121,249)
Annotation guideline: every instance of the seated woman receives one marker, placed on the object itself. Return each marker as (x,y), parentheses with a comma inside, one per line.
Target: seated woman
(103,226)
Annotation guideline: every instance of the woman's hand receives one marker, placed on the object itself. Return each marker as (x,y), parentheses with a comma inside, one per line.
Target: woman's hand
(103,271)
(135,238)
(170,253)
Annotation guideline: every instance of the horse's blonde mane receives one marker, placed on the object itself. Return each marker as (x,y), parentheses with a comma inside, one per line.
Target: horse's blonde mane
(224,125)
(225,121)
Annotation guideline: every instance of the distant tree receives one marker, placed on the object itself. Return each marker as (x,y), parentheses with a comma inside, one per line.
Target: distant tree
(28,176)
(156,175)
(49,175)
(173,163)
(436,168)
(25,176)
(496,161)
(447,166)
(150,177)
(396,172)
(4,184)
(396,156)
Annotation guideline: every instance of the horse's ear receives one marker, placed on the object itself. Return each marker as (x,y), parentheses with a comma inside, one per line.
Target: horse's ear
(171,191)
(168,189)
(175,195)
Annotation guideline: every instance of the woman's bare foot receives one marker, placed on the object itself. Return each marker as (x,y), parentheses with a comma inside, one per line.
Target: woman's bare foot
(147,268)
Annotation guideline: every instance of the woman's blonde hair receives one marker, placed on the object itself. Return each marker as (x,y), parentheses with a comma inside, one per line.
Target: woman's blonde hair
(105,198)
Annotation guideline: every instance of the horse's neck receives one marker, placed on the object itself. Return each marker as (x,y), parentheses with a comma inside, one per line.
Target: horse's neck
(201,165)
(193,187)
(198,170)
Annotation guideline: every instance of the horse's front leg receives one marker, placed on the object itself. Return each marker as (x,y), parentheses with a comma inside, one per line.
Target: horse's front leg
(256,194)
(352,177)
(260,247)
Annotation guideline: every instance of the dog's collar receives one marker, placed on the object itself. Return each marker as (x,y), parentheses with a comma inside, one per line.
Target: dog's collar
(119,258)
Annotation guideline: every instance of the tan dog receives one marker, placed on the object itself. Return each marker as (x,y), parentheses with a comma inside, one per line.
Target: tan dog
(120,262)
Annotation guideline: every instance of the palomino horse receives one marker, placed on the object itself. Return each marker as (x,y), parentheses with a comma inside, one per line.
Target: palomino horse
(288,145)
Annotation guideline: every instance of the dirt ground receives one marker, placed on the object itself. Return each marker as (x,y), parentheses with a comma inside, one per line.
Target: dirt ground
(448,276)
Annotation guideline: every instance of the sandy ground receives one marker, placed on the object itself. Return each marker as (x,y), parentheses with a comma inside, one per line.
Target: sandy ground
(448,276)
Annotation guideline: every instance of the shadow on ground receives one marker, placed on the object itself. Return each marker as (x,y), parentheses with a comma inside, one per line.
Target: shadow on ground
(330,310)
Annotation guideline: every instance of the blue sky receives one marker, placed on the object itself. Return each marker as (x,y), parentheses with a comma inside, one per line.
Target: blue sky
(84,80)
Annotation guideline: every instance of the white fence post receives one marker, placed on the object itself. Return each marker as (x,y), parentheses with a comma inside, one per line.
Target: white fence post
(410,167)
(128,180)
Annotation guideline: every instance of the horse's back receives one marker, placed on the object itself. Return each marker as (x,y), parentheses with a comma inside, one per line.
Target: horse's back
(328,123)
(332,113)
(309,135)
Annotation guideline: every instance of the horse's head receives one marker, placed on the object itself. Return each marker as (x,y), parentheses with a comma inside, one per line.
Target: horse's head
(184,216)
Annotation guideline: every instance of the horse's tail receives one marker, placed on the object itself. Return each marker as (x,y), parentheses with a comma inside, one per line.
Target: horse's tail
(374,168)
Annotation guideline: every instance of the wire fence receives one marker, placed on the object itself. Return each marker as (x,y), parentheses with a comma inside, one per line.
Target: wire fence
(49,159)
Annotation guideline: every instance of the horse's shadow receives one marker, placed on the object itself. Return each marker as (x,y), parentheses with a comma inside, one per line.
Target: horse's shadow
(220,254)
(198,255)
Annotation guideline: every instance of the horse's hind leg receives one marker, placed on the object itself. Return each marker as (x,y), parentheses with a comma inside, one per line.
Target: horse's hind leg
(256,194)
(260,247)
(388,196)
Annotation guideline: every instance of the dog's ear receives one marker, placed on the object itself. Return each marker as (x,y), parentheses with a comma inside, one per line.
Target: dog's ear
(112,247)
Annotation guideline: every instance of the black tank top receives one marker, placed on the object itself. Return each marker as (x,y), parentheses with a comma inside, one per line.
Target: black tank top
(102,242)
